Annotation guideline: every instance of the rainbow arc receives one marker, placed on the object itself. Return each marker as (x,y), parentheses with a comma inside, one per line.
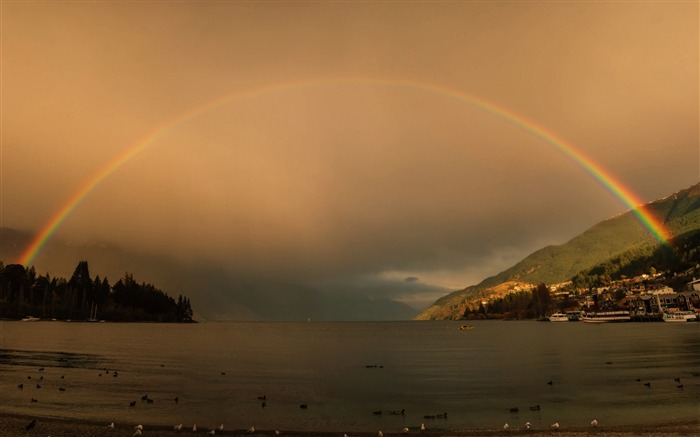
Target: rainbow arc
(608,180)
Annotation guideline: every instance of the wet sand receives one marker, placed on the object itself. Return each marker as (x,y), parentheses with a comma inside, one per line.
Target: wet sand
(15,426)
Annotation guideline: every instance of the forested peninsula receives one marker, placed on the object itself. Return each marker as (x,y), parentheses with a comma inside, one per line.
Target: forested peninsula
(82,298)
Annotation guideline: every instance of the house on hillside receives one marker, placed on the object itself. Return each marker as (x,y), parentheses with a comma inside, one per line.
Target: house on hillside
(694,284)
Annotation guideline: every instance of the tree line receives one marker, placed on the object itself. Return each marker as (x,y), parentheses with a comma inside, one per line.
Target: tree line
(532,304)
(24,293)
(681,254)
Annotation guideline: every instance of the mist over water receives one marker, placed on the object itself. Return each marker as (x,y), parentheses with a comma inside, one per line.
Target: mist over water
(218,371)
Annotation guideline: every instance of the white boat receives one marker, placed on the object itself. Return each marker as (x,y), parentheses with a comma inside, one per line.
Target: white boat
(605,316)
(31,319)
(558,317)
(680,316)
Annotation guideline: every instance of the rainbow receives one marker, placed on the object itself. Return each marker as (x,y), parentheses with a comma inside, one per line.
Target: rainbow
(624,194)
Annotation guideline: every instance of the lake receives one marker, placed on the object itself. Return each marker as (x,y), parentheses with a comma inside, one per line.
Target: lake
(347,373)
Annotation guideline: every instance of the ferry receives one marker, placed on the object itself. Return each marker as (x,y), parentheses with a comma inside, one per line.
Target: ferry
(680,316)
(605,316)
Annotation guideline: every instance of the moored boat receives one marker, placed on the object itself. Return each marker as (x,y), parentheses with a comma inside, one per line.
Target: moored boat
(605,316)
(558,317)
(680,316)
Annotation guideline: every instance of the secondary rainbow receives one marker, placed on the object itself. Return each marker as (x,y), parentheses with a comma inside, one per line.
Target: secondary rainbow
(624,194)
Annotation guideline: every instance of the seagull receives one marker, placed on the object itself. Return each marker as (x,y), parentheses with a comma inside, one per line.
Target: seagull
(594,423)
(506,427)
(139,427)
(31,425)
(177,427)
(211,432)
(422,426)
(110,426)
(137,433)
(277,432)
(251,430)
(555,425)
(194,428)
(528,425)
(380,433)
(405,430)
(220,428)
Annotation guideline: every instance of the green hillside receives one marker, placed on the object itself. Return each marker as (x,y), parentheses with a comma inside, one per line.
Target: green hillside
(680,214)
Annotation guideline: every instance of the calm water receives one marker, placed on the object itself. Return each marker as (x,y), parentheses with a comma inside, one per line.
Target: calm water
(425,368)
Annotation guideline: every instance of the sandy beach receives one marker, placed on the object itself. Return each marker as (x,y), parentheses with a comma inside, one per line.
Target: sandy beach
(16,426)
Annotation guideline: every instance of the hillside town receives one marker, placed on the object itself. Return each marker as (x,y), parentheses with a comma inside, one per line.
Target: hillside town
(644,298)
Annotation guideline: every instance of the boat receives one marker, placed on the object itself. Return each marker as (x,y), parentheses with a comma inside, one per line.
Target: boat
(680,316)
(605,316)
(31,319)
(558,317)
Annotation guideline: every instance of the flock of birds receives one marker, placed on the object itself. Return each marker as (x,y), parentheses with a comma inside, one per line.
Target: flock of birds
(138,429)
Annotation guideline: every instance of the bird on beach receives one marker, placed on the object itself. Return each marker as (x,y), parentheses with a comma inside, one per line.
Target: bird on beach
(380,434)
(211,432)
(220,428)
(506,427)
(528,425)
(177,427)
(251,430)
(139,427)
(30,425)
(110,426)
(535,407)
(405,430)
(137,433)
(132,404)
(555,425)
(20,386)
(422,427)
(194,428)
(594,423)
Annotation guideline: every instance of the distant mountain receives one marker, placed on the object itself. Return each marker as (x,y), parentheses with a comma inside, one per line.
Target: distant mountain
(215,293)
(680,214)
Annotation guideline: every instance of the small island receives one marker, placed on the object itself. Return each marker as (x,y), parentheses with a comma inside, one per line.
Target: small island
(26,296)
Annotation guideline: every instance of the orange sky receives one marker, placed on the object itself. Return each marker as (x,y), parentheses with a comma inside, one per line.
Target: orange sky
(338,184)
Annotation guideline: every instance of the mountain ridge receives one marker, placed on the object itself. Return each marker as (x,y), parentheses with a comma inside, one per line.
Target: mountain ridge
(679,212)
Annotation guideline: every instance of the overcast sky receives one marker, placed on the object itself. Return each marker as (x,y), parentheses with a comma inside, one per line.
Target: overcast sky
(332,177)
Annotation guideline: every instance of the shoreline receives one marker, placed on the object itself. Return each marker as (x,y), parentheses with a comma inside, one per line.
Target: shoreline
(13,425)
